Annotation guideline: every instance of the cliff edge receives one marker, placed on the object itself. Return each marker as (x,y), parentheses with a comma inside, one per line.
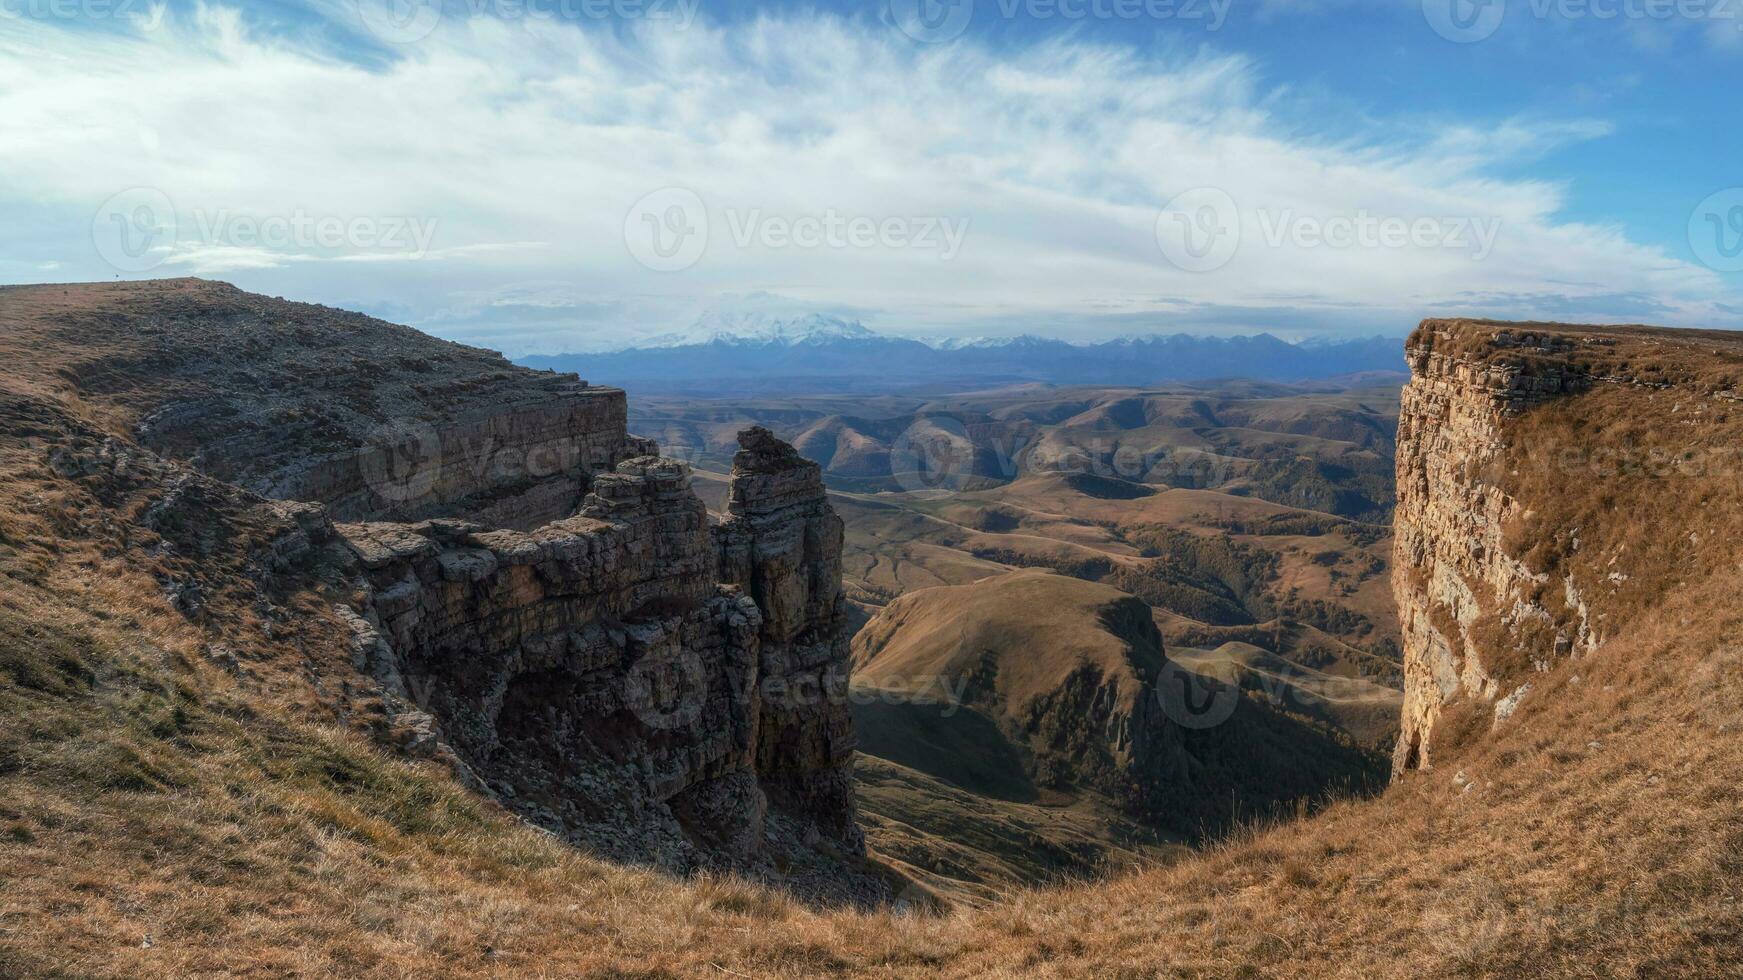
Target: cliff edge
(528,594)
(192,782)
(1534,463)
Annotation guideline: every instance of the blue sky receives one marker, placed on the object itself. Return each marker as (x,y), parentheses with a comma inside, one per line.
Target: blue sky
(583,173)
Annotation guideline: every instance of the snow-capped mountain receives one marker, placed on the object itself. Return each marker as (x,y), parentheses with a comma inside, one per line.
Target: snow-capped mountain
(731,350)
(720,326)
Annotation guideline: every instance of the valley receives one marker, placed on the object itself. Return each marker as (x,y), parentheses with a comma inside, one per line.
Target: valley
(250,734)
(1251,520)
(914,490)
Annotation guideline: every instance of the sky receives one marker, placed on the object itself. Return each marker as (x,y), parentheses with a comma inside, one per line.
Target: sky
(542,176)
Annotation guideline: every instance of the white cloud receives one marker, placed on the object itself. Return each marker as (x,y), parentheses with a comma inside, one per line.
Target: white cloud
(525,145)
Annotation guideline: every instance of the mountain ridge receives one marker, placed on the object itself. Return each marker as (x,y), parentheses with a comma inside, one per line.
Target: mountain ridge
(767,350)
(189,786)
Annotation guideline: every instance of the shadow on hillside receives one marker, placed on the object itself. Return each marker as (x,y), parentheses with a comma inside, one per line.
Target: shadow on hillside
(1259,762)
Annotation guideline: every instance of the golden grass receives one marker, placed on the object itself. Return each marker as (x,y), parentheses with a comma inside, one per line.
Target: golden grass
(162,817)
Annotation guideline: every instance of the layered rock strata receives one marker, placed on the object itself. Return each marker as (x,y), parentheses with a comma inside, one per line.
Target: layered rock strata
(545,603)
(1466,595)
(635,676)
(782,544)
(525,460)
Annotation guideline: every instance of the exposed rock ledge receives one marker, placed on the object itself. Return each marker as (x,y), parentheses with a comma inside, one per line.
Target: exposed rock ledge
(1447,527)
(553,612)
(1466,596)
(635,677)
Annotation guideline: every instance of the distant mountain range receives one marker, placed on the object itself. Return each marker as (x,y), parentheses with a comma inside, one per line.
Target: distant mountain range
(753,327)
(748,351)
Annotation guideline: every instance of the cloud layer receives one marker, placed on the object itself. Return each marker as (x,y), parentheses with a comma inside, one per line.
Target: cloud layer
(817,152)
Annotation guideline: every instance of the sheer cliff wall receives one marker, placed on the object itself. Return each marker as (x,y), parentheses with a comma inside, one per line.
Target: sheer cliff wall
(642,677)
(1532,460)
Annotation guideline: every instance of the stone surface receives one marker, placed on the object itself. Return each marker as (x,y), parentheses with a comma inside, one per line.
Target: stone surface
(782,544)
(544,605)
(1451,565)
(636,677)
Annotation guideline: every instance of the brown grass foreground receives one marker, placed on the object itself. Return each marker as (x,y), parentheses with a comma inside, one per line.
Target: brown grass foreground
(163,813)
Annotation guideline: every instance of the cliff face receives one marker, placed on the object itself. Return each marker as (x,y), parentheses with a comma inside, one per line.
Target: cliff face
(546,605)
(1516,445)
(303,402)
(525,455)
(631,676)
(781,544)
(1448,549)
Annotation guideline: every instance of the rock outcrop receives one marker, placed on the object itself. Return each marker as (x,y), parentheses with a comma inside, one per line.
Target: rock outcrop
(1490,590)
(546,604)
(1447,547)
(522,459)
(634,676)
(782,544)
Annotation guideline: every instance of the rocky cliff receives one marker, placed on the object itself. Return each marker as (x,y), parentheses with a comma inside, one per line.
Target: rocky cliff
(638,676)
(298,401)
(188,786)
(781,543)
(1516,444)
(546,605)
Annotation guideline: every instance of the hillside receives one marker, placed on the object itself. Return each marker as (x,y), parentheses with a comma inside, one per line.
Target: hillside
(1040,688)
(632,675)
(1160,492)
(193,782)
(305,402)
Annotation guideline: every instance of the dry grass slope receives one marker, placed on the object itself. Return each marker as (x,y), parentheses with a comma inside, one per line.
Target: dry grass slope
(198,796)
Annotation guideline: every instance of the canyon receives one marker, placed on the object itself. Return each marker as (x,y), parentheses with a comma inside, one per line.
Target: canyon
(1249,520)
(553,613)
(561,717)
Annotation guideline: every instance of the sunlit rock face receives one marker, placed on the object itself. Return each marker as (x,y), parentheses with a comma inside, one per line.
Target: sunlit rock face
(1452,567)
